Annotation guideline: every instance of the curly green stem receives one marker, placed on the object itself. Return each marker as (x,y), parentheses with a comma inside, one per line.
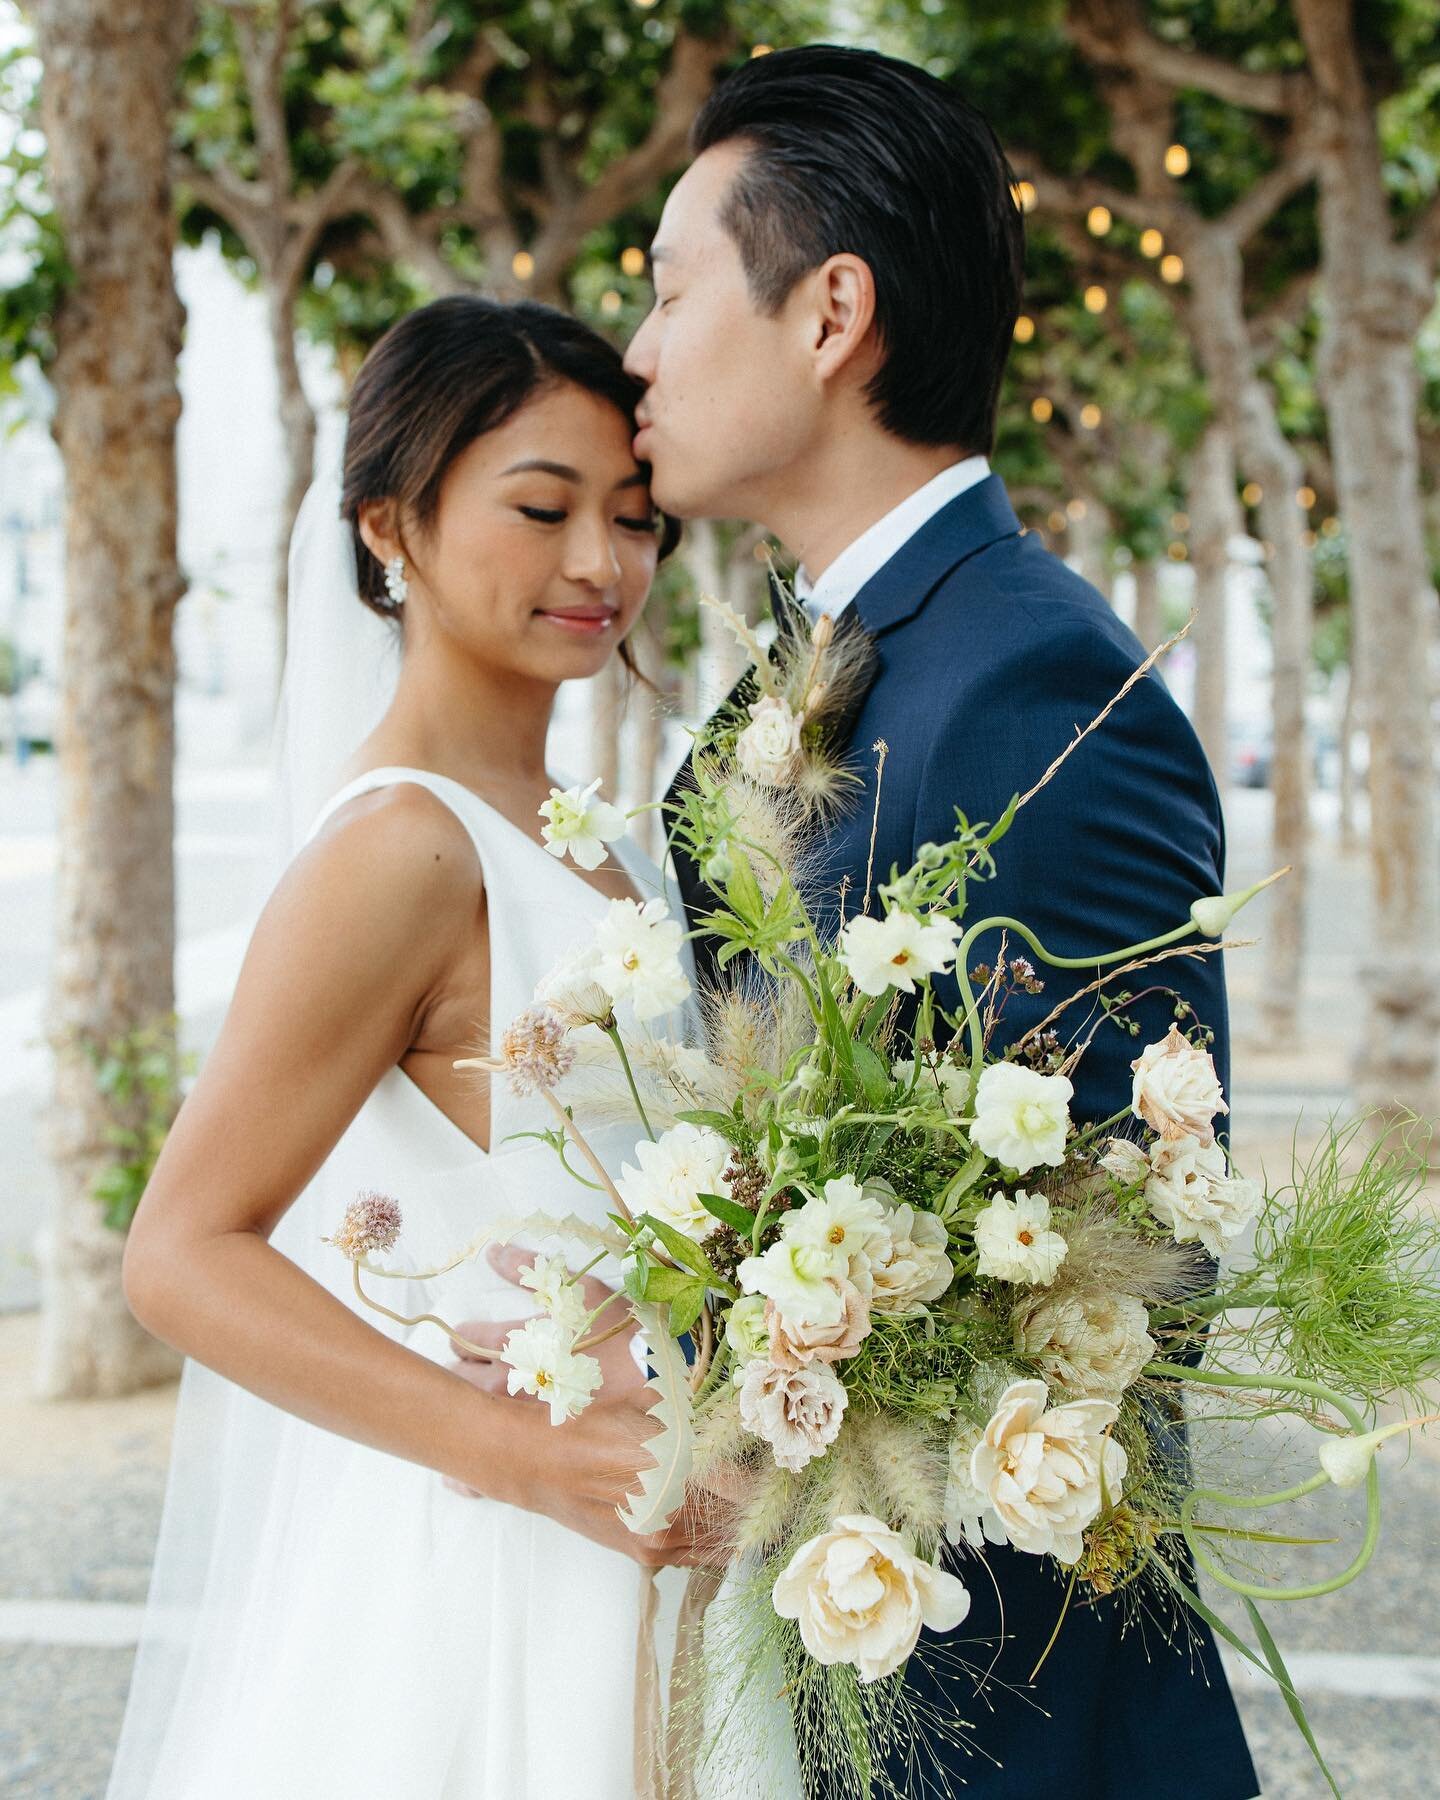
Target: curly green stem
(1285,1384)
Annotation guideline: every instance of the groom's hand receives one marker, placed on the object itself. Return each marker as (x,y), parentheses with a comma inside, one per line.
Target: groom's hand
(579,1472)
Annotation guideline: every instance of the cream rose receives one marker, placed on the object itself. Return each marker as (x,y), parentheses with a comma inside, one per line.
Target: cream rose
(1042,1468)
(1177,1091)
(860,1596)
(915,1269)
(768,746)
(1191,1190)
(796,1411)
(795,1345)
(1093,1344)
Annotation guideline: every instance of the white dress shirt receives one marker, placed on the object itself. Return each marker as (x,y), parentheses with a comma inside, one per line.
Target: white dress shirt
(870,552)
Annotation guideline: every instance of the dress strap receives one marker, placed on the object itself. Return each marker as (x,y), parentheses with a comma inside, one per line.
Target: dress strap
(449,793)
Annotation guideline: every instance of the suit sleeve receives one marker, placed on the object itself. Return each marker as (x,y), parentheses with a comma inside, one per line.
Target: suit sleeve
(1110,853)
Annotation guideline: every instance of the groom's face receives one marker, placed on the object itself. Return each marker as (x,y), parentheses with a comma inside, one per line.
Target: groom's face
(731,398)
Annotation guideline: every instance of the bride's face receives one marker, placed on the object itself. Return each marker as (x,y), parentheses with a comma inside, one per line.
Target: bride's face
(544,546)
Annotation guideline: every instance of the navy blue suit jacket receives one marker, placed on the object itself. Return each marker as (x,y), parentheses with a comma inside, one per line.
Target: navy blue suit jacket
(991,655)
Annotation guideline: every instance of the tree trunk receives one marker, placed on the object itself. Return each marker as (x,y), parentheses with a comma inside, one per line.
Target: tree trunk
(1090,534)
(1376,295)
(109,75)
(1214,520)
(1147,602)
(297,429)
(1246,407)
(1349,836)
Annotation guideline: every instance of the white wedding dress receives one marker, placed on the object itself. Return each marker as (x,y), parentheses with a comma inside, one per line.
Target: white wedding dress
(364,1632)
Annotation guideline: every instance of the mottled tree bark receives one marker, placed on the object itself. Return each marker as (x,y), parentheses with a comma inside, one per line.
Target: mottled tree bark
(109,76)
(1147,602)
(1377,292)
(1214,520)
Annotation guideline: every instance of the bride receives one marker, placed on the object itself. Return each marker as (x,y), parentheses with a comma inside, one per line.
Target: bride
(379,1576)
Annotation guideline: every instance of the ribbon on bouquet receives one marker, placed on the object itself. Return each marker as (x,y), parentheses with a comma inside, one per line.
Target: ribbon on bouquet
(667,1739)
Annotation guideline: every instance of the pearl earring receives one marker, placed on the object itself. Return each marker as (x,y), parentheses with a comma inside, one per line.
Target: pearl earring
(396,586)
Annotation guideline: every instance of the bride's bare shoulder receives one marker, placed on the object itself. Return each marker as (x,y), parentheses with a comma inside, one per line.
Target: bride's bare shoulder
(389,859)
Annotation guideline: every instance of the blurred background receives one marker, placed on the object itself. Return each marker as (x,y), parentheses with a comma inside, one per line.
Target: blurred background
(1224,396)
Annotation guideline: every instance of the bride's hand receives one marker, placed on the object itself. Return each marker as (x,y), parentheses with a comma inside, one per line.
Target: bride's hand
(578,1473)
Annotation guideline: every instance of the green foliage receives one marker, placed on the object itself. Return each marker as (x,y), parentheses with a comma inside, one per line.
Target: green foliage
(32,254)
(140,1074)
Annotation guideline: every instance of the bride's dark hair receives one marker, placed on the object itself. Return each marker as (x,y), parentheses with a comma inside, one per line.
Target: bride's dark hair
(443,376)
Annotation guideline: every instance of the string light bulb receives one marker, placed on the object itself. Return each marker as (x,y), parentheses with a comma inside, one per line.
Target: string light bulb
(1172,268)
(1024,329)
(632,261)
(1096,299)
(760,50)
(1025,195)
(1152,241)
(1099,220)
(1090,415)
(1057,521)
(1252,493)
(610,303)
(1305,498)
(1176,551)
(522,265)
(1041,410)
(1177,160)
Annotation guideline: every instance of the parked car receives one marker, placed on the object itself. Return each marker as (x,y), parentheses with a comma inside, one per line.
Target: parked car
(1252,750)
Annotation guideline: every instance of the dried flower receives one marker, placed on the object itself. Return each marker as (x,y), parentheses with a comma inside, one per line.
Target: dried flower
(1092,1344)
(796,1346)
(1177,1091)
(1116,1548)
(371,1224)
(533,1051)
(1191,1191)
(796,1411)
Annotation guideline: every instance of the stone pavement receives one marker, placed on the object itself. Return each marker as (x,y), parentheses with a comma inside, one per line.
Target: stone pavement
(81,1486)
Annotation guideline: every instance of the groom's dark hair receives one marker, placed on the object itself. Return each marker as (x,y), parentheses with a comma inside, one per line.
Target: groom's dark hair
(854,152)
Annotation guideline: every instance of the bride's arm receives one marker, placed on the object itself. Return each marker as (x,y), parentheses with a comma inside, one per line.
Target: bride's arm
(346,957)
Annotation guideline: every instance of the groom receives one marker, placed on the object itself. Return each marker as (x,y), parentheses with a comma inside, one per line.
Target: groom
(837,278)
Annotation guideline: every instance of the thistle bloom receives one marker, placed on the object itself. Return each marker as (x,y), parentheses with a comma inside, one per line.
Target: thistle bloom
(1022,1118)
(533,1052)
(371,1223)
(1015,1240)
(638,957)
(578,821)
(891,952)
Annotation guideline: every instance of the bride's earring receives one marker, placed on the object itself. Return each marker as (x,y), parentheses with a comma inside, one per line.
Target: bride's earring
(396,586)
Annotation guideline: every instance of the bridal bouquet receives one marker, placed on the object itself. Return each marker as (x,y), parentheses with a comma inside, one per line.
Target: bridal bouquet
(924,1306)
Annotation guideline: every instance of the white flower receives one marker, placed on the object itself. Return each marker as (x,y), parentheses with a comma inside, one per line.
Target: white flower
(799,1279)
(580,822)
(768,746)
(1192,1192)
(1015,1240)
(681,1164)
(747,1331)
(794,1346)
(1021,1116)
(860,1596)
(543,1363)
(1042,1468)
(1125,1160)
(570,989)
(850,1225)
(549,1279)
(1177,1091)
(916,1268)
(883,953)
(1093,1344)
(797,1411)
(968,1514)
(945,1079)
(638,957)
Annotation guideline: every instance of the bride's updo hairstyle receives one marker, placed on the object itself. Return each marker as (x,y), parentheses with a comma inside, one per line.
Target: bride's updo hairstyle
(443,376)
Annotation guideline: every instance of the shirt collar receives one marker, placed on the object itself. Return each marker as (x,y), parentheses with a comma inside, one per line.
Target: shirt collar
(869,553)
